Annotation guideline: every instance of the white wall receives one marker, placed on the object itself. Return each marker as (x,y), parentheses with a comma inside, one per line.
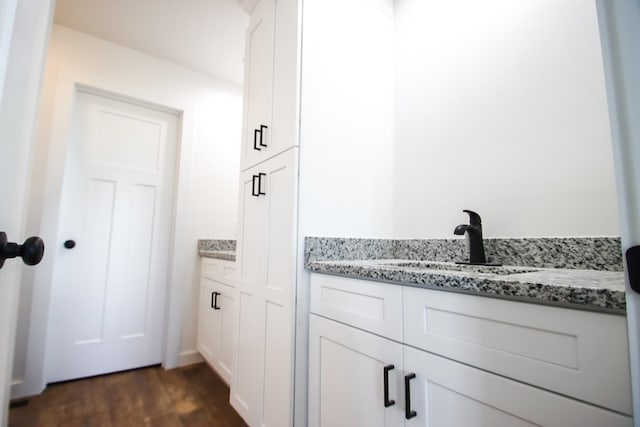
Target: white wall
(211,112)
(346,140)
(501,108)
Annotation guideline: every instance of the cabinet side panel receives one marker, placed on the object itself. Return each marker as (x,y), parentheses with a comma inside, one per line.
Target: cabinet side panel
(277,366)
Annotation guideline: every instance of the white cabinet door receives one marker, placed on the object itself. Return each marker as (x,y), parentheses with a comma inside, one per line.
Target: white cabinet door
(206,323)
(215,329)
(262,385)
(226,315)
(449,394)
(346,377)
(258,97)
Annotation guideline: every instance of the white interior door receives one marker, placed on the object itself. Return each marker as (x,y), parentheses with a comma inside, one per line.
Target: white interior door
(108,296)
(619,23)
(24,32)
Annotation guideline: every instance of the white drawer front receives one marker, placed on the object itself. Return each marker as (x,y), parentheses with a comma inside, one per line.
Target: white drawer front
(374,307)
(219,270)
(578,353)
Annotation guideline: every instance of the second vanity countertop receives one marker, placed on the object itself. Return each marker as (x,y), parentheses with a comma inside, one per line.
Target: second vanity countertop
(217,248)
(595,290)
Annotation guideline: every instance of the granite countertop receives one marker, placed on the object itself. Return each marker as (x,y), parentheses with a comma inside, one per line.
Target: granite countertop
(581,288)
(217,248)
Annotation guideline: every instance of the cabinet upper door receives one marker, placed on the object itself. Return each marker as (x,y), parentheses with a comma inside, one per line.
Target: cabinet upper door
(258,89)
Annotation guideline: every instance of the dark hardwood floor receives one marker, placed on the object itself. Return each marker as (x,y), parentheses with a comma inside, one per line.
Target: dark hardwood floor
(191,396)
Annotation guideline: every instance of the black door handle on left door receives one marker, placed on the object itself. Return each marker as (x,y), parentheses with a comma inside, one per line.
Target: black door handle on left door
(31,251)
(214,300)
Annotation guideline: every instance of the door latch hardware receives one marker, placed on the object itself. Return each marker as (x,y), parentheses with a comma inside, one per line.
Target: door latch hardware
(31,251)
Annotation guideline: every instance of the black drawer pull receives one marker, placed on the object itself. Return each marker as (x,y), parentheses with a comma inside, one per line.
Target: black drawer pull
(385,373)
(408,413)
(255,139)
(260,176)
(253,186)
(214,300)
(262,128)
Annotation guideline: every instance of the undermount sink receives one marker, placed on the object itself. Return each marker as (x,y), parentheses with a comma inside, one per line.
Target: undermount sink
(449,266)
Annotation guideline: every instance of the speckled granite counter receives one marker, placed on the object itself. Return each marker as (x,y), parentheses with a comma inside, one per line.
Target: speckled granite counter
(216,248)
(590,277)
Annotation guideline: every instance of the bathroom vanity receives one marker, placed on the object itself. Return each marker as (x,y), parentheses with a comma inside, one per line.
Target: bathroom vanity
(217,305)
(410,342)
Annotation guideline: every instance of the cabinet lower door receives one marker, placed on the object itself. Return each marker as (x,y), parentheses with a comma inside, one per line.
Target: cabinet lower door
(449,394)
(215,326)
(261,390)
(346,377)
(207,323)
(226,314)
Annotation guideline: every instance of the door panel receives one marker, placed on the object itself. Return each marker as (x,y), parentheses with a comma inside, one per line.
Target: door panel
(226,317)
(346,386)
(277,357)
(108,295)
(258,82)
(445,393)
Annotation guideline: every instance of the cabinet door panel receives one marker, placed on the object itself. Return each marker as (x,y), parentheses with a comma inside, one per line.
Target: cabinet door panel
(261,389)
(226,318)
(276,390)
(244,385)
(252,242)
(346,376)
(258,82)
(281,196)
(207,331)
(374,307)
(449,394)
(577,353)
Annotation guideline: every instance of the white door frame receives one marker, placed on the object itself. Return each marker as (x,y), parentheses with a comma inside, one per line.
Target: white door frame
(619,22)
(26,26)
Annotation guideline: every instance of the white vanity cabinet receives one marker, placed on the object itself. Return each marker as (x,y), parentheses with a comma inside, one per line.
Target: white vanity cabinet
(216,315)
(347,361)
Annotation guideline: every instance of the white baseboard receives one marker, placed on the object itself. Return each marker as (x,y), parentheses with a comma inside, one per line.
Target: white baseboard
(189,358)
(19,390)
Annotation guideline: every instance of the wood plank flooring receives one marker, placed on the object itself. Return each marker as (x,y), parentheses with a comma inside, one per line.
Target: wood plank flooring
(191,396)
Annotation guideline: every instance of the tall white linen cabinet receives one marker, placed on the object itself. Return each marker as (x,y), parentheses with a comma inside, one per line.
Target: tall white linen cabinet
(262,383)
(317,151)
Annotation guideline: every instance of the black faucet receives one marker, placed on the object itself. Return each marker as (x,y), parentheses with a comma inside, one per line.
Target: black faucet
(474,237)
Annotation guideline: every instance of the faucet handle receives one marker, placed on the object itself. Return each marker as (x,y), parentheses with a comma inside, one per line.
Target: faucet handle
(474,218)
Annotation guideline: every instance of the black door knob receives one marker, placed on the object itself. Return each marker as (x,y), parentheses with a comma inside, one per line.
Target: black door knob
(69,244)
(31,251)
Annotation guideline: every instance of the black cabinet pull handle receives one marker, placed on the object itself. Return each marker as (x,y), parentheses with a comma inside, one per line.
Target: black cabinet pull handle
(31,251)
(69,244)
(385,373)
(262,128)
(214,300)
(255,139)
(253,186)
(260,176)
(633,267)
(408,413)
